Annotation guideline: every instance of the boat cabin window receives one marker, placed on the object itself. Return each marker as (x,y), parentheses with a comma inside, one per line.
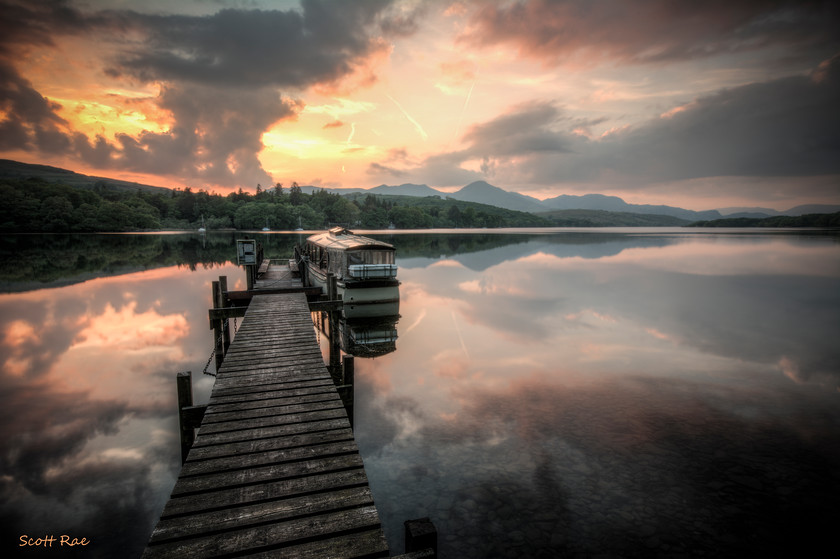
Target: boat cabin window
(370,257)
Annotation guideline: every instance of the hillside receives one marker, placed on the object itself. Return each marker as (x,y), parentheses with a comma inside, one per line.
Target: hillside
(16,170)
(602,218)
(807,220)
(478,204)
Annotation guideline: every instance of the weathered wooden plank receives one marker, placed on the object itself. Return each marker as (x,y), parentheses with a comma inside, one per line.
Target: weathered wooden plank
(242,450)
(299,357)
(260,513)
(367,544)
(268,457)
(275,470)
(249,446)
(206,439)
(263,408)
(237,496)
(269,537)
(286,369)
(230,420)
(225,401)
(257,375)
(260,381)
(335,412)
(260,474)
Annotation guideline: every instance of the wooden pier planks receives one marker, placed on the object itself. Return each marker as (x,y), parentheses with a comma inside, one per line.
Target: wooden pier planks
(274,470)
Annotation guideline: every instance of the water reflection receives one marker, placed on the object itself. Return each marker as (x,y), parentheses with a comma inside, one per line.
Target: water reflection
(87,402)
(628,393)
(637,396)
(369,337)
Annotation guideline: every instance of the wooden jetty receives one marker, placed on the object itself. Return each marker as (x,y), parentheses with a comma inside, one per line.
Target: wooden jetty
(274,470)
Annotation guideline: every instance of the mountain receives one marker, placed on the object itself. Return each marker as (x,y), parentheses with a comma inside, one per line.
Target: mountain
(760,213)
(314,189)
(616,204)
(17,170)
(748,212)
(419,190)
(604,218)
(479,192)
(812,209)
(484,193)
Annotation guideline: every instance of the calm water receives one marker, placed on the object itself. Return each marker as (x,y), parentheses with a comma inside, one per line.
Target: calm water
(626,393)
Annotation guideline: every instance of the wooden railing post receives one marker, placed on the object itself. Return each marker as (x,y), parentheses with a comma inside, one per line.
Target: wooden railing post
(222,303)
(347,388)
(420,535)
(218,327)
(185,400)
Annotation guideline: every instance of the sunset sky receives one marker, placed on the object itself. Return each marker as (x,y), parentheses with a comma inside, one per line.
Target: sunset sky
(696,104)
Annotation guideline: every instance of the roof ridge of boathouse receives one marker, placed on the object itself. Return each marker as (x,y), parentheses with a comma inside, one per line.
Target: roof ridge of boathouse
(343,239)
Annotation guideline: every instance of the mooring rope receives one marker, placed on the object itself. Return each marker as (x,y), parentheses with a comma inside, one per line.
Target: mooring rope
(218,343)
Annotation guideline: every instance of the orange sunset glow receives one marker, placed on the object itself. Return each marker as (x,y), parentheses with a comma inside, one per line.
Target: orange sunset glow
(698,105)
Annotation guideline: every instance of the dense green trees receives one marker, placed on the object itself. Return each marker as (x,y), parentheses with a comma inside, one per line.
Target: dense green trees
(35,205)
(807,220)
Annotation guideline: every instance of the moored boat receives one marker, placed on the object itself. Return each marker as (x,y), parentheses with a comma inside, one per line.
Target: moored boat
(364,268)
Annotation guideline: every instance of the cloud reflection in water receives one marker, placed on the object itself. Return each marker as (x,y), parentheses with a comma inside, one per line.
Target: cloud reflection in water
(87,403)
(631,401)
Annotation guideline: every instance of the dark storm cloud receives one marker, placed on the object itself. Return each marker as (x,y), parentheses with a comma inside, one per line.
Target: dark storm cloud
(526,130)
(219,74)
(35,438)
(379,169)
(216,136)
(783,127)
(30,121)
(33,355)
(50,485)
(654,31)
(36,23)
(323,42)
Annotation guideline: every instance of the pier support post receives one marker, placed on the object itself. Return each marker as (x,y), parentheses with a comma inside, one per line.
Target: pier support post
(189,416)
(185,400)
(347,388)
(250,272)
(332,318)
(218,327)
(222,303)
(420,535)
(335,346)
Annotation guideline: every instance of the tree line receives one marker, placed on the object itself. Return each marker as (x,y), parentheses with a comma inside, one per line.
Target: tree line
(36,205)
(806,220)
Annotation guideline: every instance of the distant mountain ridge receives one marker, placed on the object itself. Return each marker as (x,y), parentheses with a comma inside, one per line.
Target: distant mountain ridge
(17,170)
(485,193)
(479,191)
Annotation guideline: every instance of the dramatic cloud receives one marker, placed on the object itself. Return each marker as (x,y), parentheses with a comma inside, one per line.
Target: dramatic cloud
(783,127)
(650,32)
(216,136)
(30,119)
(324,42)
(218,75)
(538,96)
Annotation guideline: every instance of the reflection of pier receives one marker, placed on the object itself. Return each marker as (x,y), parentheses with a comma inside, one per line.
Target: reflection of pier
(360,337)
(274,470)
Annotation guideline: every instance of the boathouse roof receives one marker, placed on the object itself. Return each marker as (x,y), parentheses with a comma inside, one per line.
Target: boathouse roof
(340,238)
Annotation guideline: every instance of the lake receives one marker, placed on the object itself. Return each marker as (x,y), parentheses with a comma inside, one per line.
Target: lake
(629,393)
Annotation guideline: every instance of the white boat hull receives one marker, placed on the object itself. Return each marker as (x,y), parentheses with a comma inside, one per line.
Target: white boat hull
(362,299)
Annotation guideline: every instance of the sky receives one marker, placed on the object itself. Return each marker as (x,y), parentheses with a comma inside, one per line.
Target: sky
(702,105)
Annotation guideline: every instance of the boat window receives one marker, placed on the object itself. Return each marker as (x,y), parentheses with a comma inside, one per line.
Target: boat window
(370,257)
